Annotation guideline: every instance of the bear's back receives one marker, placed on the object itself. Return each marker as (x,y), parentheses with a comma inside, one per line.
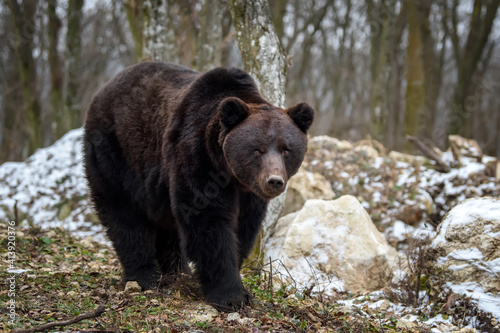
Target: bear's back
(130,106)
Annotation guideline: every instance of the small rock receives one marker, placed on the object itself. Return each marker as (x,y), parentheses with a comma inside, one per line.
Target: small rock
(64,212)
(329,142)
(367,151)
(95,267)
(154,301)
(75,285)
(446,327)
(149,292)
(132,287)
(233,316)
(72,293)
(405,324)
(346,309)
(461,146)
(203,313)
(492,168)
(50,234)
(87,243)
(415,160)
(385,305)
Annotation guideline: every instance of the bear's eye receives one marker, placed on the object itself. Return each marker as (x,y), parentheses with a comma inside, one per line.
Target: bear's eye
(285,152)
(257,152)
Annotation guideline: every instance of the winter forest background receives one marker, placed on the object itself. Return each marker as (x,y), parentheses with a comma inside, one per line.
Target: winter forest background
(376,68)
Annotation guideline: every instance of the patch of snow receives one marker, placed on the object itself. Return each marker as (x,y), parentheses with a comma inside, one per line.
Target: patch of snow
(466,212)
(487,302)
(17,271)
(328,165)
(47,181)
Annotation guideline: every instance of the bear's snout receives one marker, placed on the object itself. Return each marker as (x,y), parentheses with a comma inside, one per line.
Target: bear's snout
(275,182)
(273,185)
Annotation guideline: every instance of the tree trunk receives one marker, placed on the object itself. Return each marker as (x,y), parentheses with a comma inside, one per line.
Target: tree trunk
(278,10)
(56,75)
(73,110)
(380,18)
(158,37)
(415,93)
(264,59)
(432,66)
(208,50)
(261,50)
(24,25)
(483,16)
(133,9)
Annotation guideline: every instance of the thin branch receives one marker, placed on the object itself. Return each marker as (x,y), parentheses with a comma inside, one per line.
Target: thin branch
(429,152)
(44,327)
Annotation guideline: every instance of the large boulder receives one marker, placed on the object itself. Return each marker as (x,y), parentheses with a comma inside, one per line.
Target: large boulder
(467,252)
(332,244)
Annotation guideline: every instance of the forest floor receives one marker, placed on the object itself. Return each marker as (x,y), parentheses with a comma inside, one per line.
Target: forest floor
(58,277)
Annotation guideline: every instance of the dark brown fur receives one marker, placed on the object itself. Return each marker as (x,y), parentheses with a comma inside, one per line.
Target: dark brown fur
(181,166)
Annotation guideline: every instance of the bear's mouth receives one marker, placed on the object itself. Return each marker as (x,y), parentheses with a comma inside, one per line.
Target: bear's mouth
(268,195)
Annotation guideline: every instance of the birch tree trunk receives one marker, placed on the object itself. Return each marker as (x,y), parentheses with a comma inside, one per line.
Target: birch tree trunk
(158,37)
(265,60)
(208,52)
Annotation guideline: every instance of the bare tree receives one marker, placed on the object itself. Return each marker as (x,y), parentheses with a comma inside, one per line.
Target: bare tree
(135,16)
(23,18)
(56,73)
(467,57)
(73,108)
(208,50)
(415,92)
(158,37)
(264,58)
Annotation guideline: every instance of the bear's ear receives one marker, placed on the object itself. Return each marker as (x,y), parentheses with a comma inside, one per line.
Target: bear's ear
(232,111)
(302,115)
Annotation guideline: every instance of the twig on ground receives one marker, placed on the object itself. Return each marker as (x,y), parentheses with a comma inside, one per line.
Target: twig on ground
(430,153)
(270,276)
(44,327)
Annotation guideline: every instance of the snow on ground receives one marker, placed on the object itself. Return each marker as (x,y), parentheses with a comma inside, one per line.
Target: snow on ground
(49,189)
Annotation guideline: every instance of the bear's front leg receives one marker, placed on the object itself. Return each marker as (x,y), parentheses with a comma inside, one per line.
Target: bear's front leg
(208,230)
(252,213)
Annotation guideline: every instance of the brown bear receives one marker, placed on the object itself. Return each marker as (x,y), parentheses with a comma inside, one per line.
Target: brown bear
(181,166)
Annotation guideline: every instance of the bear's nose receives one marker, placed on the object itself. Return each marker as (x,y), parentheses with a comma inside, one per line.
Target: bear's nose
(276,182)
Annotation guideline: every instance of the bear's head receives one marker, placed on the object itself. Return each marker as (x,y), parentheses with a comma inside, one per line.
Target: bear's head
(263,145)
